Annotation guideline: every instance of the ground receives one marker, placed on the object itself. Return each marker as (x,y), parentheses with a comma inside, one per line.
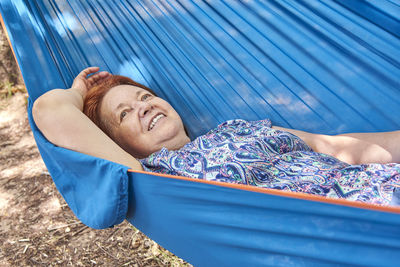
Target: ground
(36,226)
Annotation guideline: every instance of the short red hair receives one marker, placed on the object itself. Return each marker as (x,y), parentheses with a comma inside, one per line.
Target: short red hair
(93,99)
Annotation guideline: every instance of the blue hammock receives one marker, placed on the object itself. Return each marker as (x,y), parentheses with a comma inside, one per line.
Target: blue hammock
(320,66)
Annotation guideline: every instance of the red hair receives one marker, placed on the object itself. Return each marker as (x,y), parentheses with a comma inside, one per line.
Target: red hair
(93,99)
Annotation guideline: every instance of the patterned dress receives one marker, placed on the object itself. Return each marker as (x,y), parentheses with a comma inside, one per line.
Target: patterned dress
(253,153)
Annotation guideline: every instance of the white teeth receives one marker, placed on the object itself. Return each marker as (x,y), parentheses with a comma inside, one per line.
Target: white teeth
(156,118)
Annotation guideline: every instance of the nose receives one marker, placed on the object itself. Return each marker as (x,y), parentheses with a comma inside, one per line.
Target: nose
(143,108)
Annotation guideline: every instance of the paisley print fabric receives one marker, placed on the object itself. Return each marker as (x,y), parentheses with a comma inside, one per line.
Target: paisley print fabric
(253,153)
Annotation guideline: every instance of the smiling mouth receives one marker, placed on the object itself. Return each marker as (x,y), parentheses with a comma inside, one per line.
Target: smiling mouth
(155,120)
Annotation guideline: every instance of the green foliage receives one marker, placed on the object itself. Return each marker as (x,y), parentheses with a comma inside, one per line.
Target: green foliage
(7,89)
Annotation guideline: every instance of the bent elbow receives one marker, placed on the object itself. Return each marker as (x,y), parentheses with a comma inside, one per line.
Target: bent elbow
(39,110)
(43,109)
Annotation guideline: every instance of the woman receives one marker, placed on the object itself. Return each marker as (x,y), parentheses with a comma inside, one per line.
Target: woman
(142,131)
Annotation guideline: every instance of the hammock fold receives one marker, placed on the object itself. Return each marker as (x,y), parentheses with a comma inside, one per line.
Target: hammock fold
(328,67)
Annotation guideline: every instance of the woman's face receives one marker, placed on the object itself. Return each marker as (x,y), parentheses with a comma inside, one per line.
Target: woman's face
(140,122)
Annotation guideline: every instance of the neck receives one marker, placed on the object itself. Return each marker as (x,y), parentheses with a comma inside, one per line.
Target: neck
(181,142)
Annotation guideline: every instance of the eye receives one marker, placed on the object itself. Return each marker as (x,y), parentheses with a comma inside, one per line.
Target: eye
(123,114)
(145,96)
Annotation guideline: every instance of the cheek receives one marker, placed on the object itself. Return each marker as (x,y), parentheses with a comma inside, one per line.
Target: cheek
(131,139)
(123,138)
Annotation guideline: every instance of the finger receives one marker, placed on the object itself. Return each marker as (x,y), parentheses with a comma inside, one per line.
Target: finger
(104,74)
(87,71)
(98,77)
(93,78)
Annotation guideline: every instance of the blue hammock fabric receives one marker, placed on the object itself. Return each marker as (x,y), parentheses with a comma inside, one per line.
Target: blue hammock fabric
(321,66)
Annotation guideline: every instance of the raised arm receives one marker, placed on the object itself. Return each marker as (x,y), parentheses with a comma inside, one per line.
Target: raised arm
(355,148)
(58,114)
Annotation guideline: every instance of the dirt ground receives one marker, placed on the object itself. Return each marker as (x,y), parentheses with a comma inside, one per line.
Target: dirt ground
(36,226)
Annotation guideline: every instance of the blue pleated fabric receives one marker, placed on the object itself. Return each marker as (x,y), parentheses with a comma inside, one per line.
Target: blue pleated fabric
(218,226)
(321,66)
